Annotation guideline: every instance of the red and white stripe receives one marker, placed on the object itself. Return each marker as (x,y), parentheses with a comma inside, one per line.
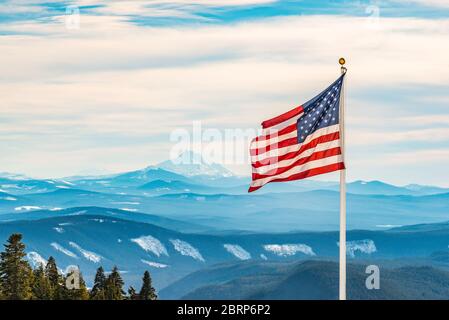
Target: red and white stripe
(277,156)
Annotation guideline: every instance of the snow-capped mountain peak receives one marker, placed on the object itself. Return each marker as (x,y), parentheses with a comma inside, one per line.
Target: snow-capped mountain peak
(193,164)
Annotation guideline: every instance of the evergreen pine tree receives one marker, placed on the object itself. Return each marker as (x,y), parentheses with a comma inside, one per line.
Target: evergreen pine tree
(41,285)
(147,292)
(15,272)
(55,279)
(114,286)
(132,294)
(98,289)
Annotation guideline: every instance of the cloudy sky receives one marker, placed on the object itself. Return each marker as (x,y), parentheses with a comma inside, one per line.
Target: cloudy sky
(103,92)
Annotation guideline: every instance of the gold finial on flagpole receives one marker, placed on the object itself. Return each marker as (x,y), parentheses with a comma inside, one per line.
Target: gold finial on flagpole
(342,62)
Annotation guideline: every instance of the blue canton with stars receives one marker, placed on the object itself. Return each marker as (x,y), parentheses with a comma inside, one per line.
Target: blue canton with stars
(320,112)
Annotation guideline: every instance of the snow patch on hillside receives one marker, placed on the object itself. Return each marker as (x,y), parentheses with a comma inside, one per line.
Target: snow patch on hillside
(154,264)
(27,208)
(77,213)
(59,229)
(89,255)
(62,187)
(388,226)
(285,250)
(364,246)
(36,259)
(67,182)
(186,249)
(65,251)
(8,198)
(151,244)
(237,251)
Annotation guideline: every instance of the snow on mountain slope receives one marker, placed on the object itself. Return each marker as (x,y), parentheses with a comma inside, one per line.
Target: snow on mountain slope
(89,255)
(151,244)
(237,251)
(36,259)
(186,249)
(65,251)
(285,250)
(154,264)
(366,246)
(89,244)
(193,164)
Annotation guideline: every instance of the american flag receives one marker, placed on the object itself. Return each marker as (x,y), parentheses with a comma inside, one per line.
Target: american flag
(300,143)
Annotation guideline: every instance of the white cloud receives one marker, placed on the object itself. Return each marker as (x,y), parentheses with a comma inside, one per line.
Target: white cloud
(428,3)
(401,158)
(216,2)
(362,137)
(88,93)
(425,120)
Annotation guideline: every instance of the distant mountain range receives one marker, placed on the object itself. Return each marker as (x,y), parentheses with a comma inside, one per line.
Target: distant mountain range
(317,280)
(189,219)
(273,212)
(190,171)
(90,236)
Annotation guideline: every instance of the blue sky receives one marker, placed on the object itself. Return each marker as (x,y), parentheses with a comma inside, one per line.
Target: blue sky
(105,96)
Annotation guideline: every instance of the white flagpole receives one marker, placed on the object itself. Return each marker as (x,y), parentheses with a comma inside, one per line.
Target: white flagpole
(342,278)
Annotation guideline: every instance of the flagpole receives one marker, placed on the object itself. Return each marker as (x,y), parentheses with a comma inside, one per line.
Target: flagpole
(342,278)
